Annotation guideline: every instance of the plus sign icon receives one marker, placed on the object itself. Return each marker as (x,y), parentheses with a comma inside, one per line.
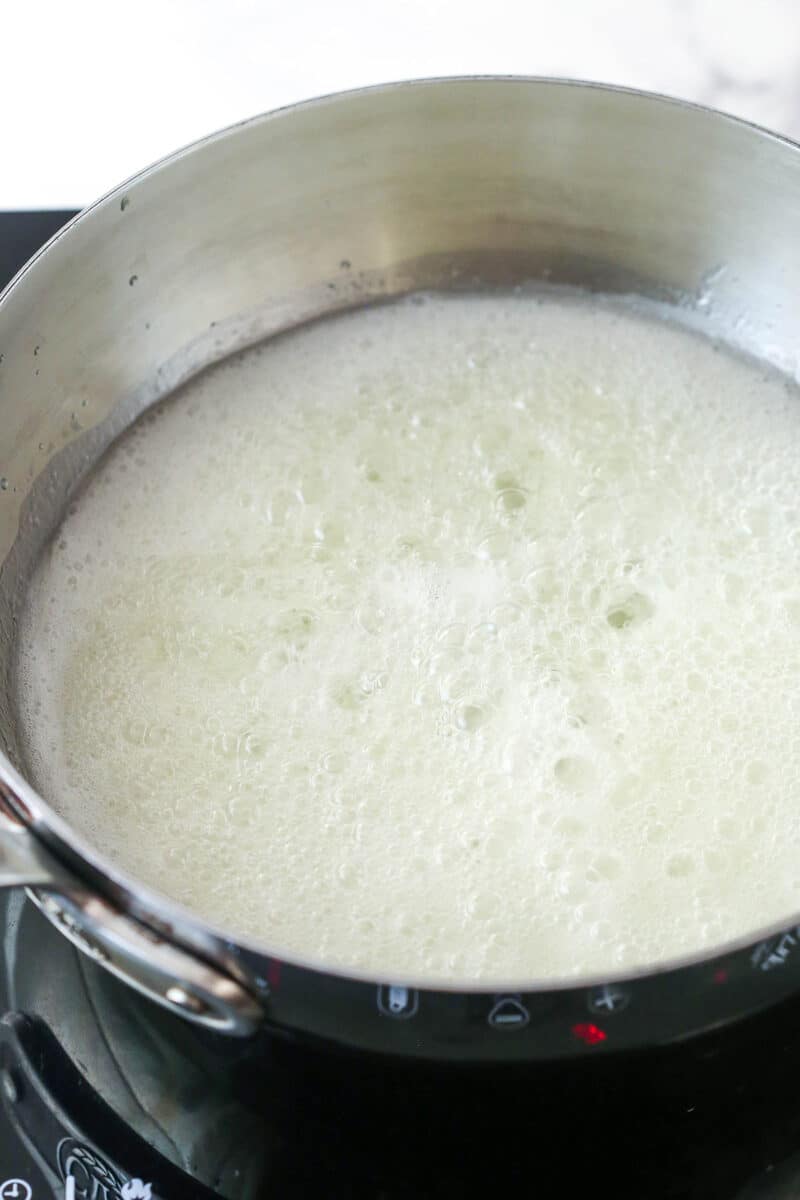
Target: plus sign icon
(610,998)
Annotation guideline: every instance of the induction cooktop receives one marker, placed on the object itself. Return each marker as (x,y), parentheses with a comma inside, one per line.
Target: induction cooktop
(105,1096)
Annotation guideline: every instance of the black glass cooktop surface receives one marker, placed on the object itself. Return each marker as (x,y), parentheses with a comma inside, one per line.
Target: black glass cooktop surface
(104,1096)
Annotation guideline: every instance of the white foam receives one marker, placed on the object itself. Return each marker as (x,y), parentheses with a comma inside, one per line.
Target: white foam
(452,639)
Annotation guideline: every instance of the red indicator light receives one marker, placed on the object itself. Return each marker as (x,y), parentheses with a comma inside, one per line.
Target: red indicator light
(720,976)
(592,1035)
(274,974)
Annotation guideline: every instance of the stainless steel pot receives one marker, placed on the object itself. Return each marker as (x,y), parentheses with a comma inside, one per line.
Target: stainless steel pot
(353,198)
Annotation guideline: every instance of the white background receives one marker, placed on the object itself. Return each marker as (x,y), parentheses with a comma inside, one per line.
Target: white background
(91,91)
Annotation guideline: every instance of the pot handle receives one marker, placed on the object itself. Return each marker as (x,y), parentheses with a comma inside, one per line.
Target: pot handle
(140,956)
(24,860)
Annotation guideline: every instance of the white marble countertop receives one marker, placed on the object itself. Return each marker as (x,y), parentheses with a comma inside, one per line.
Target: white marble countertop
(91,92)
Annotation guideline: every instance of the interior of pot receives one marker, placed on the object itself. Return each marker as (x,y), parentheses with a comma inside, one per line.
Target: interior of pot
(358,198)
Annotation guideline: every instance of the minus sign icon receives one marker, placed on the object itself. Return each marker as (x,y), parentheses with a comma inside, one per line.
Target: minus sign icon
(507,1020)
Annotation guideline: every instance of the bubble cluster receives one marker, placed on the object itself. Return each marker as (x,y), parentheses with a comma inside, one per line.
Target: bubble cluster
(456,639)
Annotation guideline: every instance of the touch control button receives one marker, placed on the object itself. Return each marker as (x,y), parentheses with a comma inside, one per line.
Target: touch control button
(15,1189)
(508,1013)
(397,1002)
(610,998)
(776,951)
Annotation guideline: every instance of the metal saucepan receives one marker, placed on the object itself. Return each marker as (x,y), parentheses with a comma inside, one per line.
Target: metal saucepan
(334,203)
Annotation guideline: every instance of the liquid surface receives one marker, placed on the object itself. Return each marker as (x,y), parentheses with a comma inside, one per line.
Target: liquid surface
(458,639)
